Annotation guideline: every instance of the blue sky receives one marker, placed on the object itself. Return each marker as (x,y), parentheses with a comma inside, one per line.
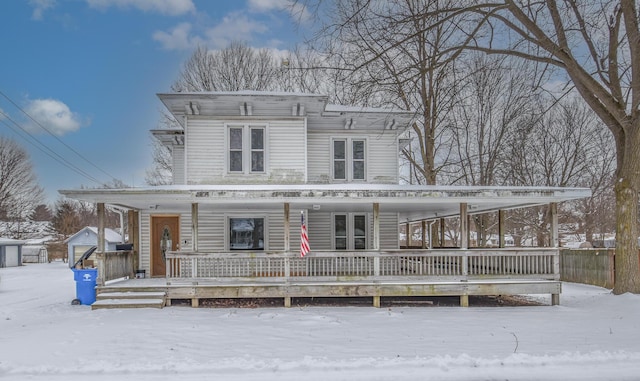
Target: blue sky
(88,71)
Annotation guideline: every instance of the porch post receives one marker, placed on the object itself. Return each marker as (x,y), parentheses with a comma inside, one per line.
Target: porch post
(407,234)
(442,237)
(376,226)
(287,228)
(100,210)
(555,240)
(464,226)
(134,237)
(194,226)
(501,240)
(424,234)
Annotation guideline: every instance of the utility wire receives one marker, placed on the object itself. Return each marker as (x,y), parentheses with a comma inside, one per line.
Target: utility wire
(56,137)
(42,147)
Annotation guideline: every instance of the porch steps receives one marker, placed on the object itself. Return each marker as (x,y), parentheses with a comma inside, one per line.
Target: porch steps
(129,299)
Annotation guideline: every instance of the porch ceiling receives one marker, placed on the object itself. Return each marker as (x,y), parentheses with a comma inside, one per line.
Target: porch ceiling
(411,201)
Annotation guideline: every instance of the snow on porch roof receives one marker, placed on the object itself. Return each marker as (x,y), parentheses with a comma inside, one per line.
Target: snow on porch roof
(412,201)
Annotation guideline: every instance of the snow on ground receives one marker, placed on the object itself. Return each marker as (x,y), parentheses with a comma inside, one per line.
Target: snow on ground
(592,335)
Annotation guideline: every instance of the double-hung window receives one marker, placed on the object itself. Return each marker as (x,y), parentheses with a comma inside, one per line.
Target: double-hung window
(246,149)
(349,159)
(350,231)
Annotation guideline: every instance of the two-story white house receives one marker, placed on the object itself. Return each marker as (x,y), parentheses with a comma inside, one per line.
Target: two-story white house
(247,165)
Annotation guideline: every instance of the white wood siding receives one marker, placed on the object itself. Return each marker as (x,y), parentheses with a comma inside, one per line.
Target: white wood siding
(381,155)
(145,228)
(319,231)
(178,165)
(206,152)
(286,151)
(388,231)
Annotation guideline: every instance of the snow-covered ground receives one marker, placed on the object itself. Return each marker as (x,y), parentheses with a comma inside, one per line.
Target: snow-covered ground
(592,335)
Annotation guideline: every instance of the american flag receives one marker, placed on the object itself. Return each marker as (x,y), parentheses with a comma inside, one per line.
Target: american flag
(304,238)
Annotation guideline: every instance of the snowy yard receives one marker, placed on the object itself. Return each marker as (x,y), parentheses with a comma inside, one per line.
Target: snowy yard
(592,335)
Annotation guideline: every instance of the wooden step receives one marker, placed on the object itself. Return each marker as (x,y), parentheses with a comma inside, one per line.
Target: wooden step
(128,303)
(130,295)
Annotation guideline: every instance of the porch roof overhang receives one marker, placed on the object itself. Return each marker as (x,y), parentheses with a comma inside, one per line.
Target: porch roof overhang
(413,202)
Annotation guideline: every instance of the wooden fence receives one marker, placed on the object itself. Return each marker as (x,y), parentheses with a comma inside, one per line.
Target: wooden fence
(588,266)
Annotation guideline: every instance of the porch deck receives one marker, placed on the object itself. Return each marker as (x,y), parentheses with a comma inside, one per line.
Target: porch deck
(449,272)
(223,289)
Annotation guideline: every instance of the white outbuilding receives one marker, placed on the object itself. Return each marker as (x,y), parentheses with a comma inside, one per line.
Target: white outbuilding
(86,238)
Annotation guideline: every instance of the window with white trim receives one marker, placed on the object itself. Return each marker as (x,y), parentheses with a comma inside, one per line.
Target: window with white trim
(246,233)
(349,231)
(349,159)
(246,149)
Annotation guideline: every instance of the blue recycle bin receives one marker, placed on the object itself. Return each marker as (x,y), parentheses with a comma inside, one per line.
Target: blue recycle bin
(85,285)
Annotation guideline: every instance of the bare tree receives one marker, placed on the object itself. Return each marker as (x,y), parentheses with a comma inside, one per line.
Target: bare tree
(597,45)
(389,55)
(161,173)
(567,146)
(236,67)
(19,190)
(493,97)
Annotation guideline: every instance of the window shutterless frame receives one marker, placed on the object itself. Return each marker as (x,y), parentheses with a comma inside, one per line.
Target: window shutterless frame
(349,231)
(246,149)
(348,159)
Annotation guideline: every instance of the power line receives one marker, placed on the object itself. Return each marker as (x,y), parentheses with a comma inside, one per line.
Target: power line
(57,138)
(46,150)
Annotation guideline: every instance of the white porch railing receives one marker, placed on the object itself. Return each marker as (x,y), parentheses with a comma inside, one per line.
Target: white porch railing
(439,264)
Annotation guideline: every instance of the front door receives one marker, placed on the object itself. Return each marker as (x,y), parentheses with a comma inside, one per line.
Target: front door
(164,237)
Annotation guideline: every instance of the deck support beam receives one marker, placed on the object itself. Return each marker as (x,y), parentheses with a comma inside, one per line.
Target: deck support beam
(555,299)
(195,302)
(376,301)
(464,300)
(287,301)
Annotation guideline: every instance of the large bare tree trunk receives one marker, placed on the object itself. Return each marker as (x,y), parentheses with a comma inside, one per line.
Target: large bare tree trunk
(627,263)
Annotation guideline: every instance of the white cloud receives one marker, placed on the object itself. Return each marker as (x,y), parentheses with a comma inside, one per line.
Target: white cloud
(235,26)
(54,115)
(178,38)
(167,7)
(296,9)
(40,6)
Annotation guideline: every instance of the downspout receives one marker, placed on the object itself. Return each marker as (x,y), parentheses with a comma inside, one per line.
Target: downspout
(430,233)
(121,214)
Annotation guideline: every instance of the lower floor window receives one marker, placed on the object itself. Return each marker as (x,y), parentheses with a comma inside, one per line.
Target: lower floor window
(246,233)
(350,231)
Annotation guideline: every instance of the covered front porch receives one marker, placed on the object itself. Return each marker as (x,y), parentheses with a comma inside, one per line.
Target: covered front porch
(196,273)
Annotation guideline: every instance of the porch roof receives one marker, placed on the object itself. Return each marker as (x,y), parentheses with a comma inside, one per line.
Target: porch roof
(413,202)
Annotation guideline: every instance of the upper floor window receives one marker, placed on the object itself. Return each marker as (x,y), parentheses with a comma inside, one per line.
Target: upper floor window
(349,161)
(246,149)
